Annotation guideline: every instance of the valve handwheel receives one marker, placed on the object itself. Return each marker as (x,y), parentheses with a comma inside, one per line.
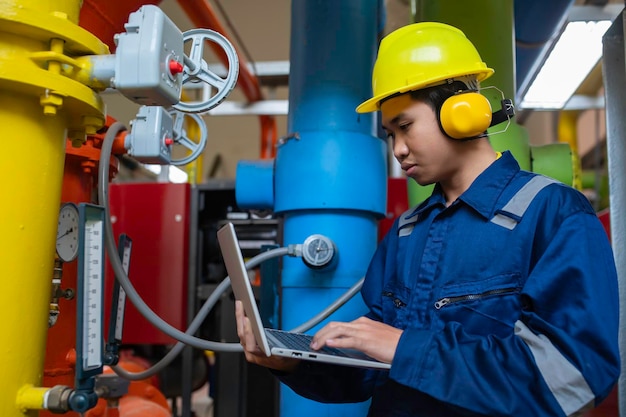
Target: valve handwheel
(197,70)
(181,138)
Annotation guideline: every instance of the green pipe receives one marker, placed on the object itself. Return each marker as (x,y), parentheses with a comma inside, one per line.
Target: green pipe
(489,25)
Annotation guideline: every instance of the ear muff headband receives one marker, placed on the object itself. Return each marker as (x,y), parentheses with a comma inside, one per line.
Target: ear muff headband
(465,115)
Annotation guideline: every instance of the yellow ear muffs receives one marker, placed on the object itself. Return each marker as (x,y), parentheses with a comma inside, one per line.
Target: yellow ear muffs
(465,115)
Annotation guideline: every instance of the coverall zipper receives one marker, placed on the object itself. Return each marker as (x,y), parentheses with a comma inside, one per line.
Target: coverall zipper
(451,300)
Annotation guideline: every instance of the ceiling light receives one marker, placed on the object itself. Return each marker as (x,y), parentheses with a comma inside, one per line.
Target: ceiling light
(577,51)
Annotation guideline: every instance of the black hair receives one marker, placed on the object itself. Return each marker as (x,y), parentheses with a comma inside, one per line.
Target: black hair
(435,96)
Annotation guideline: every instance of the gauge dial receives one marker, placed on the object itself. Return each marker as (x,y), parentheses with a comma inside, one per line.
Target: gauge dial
(67,233)
(318,251)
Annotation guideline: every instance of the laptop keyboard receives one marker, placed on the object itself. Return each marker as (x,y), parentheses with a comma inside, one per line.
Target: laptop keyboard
(300,341)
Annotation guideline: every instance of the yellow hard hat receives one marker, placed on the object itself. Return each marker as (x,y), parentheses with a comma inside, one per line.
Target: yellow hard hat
(422,55)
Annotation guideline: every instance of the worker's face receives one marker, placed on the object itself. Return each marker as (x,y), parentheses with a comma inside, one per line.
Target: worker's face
(420,147)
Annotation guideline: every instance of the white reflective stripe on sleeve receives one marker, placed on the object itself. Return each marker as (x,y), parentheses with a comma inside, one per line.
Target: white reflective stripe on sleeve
(565,381)
(519,203)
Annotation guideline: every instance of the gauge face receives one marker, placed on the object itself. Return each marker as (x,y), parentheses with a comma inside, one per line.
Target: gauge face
(90,300)
(67,233)
(318,251)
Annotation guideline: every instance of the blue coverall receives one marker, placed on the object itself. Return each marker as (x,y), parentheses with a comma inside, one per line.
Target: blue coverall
(504,311)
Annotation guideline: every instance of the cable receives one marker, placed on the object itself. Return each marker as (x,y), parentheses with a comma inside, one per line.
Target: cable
(197,321)
(212,300)
(175,351)
(185,338)
(315,320)
(116,264)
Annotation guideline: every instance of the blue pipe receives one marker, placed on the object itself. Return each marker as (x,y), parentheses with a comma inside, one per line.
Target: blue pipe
(330,173)
(331,178)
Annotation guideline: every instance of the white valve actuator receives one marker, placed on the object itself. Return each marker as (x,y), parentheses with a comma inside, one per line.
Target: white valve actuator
(155,131)
(151,136)
(149,59)
(150,67)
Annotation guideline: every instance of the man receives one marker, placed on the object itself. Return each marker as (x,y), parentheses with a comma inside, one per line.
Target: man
(497,296)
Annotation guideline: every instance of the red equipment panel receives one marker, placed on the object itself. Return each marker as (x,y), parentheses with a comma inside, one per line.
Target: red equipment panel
(397,203)
(156,217)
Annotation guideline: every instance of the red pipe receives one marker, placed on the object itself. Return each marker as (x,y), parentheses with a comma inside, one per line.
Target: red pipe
(143,399)
(202,15)
(106,18)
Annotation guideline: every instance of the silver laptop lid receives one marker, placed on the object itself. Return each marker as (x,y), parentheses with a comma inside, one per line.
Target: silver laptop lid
(236,268)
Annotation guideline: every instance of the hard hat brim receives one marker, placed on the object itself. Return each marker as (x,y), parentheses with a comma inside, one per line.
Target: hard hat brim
(373,104)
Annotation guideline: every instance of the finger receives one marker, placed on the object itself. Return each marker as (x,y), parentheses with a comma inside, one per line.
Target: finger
(244,330)
(346,342)
(333,330)
(248,340)
(240,318)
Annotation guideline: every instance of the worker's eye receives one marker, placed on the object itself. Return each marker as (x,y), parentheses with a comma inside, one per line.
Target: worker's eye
(404,126)
(390,135)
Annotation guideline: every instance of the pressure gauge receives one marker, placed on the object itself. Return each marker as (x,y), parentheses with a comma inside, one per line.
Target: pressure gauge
(67,233)
(318,251)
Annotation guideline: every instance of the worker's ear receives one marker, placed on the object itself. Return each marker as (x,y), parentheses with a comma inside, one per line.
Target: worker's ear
(465,115)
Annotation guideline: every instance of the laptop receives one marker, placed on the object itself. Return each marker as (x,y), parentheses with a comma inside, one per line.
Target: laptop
(278,342)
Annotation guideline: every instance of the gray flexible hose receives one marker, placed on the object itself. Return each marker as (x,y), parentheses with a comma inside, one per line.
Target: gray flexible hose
(315,320)
(175,351)
(116,264)
(197,321)
(153,318)
(210,303)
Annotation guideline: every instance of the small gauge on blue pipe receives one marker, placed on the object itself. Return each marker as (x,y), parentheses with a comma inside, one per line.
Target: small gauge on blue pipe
(318,251)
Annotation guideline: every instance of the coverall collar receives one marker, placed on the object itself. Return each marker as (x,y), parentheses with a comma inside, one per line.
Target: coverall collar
(485,191)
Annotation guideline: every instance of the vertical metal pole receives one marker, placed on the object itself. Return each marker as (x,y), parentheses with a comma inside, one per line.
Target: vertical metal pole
(614,72)
(192,295)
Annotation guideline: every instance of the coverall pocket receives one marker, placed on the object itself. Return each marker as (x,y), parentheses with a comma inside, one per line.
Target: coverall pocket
(395,301)
(487,306)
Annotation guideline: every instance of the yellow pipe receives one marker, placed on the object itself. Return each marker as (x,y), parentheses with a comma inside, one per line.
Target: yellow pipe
(32,398)
(39,106)
(567,132)
(194,168)
(70,9)
(31,189)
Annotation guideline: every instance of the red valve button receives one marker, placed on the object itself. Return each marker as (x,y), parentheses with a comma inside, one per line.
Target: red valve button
(175,67)
(169,141)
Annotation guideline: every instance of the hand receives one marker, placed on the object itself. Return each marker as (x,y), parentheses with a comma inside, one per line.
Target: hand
(251,349)
(371,337)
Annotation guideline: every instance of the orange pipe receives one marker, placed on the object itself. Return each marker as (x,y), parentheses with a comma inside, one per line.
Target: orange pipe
(143,398)
(79,183)
(269,137)
(202,15)
(104,18)
(141,407)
